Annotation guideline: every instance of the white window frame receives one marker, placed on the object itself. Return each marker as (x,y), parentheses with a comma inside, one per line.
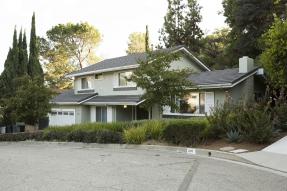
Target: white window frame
(101,76)
(206,109)
(88,81)
(129,83)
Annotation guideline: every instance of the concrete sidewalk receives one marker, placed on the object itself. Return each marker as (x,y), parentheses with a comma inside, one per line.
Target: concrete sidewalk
(279,147)
(273,156)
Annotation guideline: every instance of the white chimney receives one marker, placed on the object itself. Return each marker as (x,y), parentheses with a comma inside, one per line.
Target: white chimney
(246,64)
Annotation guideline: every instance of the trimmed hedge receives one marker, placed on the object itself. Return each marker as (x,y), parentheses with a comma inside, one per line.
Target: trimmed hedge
(183,132)
(38,136)
(186,132)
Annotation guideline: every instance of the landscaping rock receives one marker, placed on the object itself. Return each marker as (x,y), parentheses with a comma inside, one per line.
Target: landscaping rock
(237,151)
(227,149)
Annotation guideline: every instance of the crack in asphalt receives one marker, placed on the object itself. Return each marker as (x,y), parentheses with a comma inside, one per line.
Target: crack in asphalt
(188,177)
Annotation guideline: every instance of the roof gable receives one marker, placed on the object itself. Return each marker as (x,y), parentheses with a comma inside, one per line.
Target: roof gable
(130,61)
(220,78)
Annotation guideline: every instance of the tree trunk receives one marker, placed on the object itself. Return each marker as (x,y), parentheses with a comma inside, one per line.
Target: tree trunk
(31,128)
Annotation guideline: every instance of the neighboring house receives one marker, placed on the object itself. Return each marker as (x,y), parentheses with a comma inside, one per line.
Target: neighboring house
(102,92)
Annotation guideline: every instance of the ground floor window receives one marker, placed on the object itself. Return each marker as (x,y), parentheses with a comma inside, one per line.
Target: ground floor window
(196,103)
(101,114)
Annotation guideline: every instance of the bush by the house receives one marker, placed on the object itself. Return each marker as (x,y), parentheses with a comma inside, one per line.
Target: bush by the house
(185,132)
(21,136)
(236,121)
(135,135)
(147,130)
(280,115)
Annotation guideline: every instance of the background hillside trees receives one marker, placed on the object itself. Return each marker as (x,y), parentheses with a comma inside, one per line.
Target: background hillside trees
(71,47)
(181,25)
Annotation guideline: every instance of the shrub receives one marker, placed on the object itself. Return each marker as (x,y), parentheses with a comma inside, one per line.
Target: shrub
(184,132)
(77,135)
(57,133)
(107,136)
(249,121)
(233,136)
(153,129)
(135,135)
(21,136)
(280,114)
(260,127)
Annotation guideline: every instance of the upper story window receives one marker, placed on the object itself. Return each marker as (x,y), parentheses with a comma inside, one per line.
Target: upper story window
(99,76)
(85,83)
(124,79)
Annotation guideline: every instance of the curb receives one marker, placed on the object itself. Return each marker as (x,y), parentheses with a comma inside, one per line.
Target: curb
(197,152)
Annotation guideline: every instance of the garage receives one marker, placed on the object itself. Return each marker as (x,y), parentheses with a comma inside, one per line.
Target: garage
(61,117)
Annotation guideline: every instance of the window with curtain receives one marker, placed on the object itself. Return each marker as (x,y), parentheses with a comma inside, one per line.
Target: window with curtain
(194,103)
(124,79)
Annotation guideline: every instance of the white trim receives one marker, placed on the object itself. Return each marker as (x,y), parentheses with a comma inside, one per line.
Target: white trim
(191,55)
(87,99)
(84,90)
(141,101)
(109,114)
(185,114)
(109,103)
(65,103)
(104,70)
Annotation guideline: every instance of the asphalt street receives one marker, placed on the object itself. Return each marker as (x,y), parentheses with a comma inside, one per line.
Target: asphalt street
(36,166)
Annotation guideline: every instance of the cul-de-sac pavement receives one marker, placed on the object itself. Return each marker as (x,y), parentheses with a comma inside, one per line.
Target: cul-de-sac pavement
(38,166)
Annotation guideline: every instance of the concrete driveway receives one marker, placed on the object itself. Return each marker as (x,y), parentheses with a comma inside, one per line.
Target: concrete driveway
(273,156)
(32,166)
(279,147)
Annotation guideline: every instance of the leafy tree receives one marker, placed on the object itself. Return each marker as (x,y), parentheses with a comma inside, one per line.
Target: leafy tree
(31,101)
(213,52)
(137,43)
(77,41)
(181,25)
(248,20)
(161,84)
(274,54)
(34,66)
(68,47)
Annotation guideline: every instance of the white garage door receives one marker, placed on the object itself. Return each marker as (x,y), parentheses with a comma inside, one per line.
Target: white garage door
(60,117)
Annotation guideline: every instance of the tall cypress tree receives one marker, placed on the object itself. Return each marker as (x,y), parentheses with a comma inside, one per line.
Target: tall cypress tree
(24,63)
(34,66)
(23,55)
(147,46)
(15,53)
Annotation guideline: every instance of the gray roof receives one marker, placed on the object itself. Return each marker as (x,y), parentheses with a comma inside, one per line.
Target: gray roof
(227,76)
(70,97)
(115,99)
(127,60)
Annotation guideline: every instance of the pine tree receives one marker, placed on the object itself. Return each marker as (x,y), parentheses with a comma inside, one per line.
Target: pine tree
(181,25)
(34,66)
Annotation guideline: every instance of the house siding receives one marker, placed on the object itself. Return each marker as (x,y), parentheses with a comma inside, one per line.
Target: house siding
(185,63)
(109,84)
(243,91)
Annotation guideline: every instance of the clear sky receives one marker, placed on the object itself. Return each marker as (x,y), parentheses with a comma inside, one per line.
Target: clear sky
(115,19)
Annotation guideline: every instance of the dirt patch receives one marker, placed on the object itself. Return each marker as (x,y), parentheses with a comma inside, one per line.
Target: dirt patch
(217,144)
